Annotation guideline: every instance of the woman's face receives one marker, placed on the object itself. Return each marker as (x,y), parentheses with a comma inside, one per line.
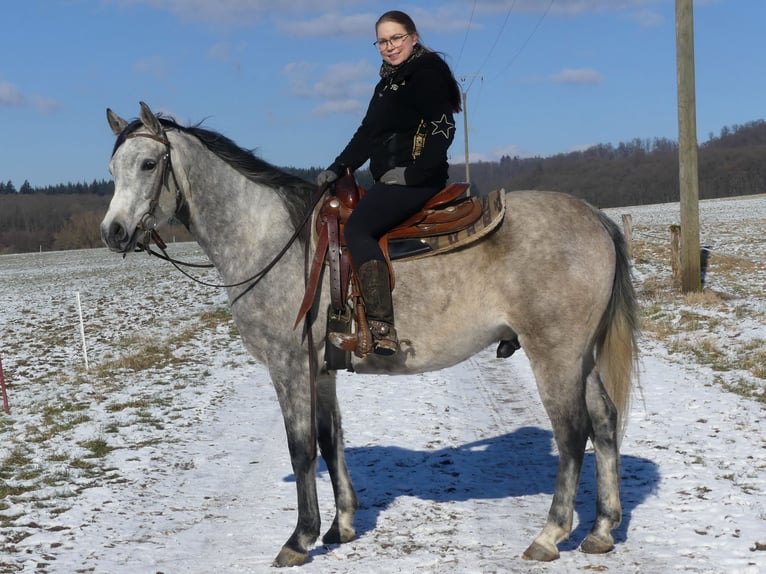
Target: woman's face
(394,43)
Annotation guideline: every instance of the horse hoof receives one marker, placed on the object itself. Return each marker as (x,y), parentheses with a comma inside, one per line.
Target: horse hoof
(288,557)
(337,536)
(594,545)
(539,553)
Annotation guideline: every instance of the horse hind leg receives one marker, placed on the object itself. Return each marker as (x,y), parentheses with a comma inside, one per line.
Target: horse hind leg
(330,437)
(561,392)
(603,416)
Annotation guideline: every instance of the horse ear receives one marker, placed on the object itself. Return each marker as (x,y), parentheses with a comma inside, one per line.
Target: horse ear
(150,121)
(117,124)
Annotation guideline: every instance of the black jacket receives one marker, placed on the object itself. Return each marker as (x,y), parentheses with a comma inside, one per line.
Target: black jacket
(409,123)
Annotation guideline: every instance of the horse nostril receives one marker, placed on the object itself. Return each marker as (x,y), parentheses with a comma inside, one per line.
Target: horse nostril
(115,234)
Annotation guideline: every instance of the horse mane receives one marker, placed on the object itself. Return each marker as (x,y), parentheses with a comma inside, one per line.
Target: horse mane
(294,191)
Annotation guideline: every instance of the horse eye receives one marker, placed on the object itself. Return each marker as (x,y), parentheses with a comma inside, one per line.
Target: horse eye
(148,165)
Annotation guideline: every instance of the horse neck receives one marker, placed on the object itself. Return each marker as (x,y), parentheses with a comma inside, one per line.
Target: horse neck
(239,223)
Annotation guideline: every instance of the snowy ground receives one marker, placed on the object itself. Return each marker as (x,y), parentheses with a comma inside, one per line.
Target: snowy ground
(168,454)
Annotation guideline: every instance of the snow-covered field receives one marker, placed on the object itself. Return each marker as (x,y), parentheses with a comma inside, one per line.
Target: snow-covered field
(168,453)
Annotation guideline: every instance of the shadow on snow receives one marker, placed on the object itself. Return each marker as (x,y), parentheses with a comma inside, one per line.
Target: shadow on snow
(521,463)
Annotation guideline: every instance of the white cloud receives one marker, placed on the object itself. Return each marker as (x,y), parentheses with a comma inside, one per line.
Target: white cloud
(351,79)
(331,25)
(220,51)
(332,107)
(344,87)
(10,95)
(648,18)
(641,11)
(228,54)
(242,12)
(153,66)
(583,76)
(46,105)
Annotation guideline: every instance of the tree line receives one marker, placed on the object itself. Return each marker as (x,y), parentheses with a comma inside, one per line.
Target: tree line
(96,187)
(637,172)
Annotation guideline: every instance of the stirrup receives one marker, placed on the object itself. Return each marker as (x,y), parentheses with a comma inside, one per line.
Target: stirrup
(384,338)
(342,341)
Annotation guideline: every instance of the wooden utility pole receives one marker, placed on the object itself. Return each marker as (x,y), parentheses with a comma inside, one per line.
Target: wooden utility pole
(464,93)
(465,138)
(687,148)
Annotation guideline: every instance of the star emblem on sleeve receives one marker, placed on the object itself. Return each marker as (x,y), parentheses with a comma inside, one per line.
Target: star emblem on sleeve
(443,127)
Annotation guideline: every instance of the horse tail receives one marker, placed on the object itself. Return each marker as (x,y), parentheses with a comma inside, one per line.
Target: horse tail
(616,343)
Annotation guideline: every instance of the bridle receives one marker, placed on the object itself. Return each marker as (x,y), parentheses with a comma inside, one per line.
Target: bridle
(148,224)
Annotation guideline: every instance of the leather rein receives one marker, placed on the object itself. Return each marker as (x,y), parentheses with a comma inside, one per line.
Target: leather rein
(148,224)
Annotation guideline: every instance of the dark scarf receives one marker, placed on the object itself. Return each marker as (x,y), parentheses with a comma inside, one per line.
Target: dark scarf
(387,70)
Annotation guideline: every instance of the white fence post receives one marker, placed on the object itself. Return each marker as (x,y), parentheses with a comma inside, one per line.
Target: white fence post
(82,331)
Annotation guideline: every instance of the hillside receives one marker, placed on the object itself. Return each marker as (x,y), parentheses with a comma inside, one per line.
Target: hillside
(639,172)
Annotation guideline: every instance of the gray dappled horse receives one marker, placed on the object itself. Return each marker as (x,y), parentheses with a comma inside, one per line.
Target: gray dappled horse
(555,274)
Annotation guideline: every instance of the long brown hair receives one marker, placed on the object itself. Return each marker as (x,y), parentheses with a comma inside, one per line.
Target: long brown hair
(399,17)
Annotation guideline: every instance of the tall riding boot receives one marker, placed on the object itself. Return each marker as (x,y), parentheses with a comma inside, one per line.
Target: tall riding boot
(375,283)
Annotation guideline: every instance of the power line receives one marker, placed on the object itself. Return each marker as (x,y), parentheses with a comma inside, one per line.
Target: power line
(524,45)
(497,38)
(467,30)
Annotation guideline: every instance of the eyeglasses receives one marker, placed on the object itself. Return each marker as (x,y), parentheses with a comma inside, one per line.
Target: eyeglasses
(393,42)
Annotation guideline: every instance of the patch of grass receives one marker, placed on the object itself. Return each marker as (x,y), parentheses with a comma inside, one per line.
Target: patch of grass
(744,388)
(139,354)
(17,457)
(57,478)
(10,491)
(80,464)
(219,316)
(693,326)
(55,422)
(28,473)
(754,360)
(98,447)
(133,404)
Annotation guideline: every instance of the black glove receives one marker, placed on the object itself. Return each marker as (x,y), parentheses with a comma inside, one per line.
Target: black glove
(326,177)
(395,176)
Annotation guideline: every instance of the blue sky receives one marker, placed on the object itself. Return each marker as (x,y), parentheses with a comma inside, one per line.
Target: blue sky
(292,79)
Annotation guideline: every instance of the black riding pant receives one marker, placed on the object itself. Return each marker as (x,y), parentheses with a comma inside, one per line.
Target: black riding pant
(383,207)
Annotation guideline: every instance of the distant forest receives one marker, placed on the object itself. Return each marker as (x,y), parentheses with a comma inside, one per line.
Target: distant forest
(638,172)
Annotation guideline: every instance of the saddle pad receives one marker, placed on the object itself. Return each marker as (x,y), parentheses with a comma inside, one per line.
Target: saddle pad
(493,211)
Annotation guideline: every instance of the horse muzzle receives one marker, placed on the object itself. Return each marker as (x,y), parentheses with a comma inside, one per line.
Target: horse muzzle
(117,237)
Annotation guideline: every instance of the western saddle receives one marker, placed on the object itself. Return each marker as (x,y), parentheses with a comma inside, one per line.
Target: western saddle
(445,214)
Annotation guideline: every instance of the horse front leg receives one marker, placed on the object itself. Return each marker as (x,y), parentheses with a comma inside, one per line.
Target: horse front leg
(331,444)
(295,401)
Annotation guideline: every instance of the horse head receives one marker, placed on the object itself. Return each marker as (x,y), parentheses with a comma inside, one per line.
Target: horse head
(142,171)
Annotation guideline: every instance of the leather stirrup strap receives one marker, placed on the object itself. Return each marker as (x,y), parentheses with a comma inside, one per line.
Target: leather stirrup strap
(332,225)
(313,280)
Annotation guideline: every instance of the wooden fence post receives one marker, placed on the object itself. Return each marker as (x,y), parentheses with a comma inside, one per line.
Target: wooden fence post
(675,255)
(627,229)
